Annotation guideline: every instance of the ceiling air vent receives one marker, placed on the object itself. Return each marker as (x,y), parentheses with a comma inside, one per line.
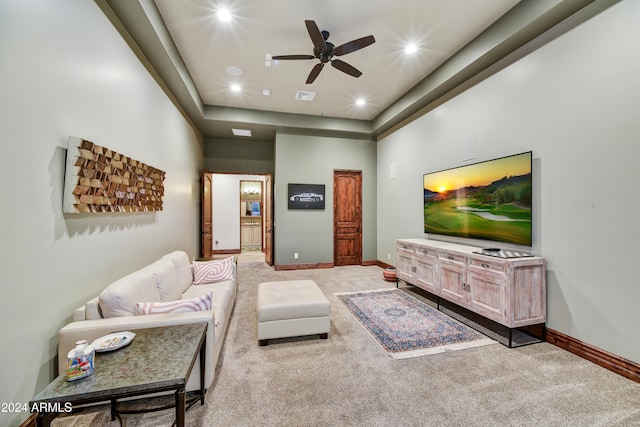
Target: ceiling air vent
(301,95)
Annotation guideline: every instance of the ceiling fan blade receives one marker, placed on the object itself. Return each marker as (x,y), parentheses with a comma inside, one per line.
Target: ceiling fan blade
(315,34)
(314,73)
(285,57)
(353,45)
(346,68)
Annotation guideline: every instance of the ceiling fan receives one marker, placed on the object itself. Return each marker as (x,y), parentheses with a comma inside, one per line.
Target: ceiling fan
(325,51)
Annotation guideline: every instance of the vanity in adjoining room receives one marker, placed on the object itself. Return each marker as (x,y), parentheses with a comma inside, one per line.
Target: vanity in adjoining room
(251,215)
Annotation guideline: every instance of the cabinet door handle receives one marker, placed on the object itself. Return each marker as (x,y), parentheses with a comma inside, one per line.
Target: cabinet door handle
(450,257)
(485,265)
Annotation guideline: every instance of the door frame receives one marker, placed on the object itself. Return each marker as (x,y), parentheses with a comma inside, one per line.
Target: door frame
(267,220)
(206,214)
(270,191)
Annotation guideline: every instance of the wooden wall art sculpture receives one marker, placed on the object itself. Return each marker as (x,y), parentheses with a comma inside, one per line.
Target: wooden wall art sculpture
(98,179)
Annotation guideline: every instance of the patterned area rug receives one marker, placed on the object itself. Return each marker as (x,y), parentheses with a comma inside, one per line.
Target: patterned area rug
(407,327)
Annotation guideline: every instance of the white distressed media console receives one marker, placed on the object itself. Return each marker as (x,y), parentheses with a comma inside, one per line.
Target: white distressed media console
(511,291)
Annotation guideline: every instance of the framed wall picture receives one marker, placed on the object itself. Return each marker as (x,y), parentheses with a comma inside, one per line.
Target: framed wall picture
(306,196)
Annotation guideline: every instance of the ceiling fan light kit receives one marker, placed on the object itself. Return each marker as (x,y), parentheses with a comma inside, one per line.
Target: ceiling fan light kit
(325,52)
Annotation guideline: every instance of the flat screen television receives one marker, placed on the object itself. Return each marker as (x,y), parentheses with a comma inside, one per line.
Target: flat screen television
(488,200)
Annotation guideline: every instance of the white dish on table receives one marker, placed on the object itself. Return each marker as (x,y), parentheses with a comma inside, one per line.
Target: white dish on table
(113,341)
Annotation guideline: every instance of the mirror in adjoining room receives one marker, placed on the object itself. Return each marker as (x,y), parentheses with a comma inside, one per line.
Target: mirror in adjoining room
(251,215)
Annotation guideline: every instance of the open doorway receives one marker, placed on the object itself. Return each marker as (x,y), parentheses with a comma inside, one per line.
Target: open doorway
(237,215)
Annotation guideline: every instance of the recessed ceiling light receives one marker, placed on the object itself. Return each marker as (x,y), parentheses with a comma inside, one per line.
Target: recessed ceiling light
(360,102)
(234,71)
(224,15)
(266,92)
(411,48)
(241,132)
(236,88)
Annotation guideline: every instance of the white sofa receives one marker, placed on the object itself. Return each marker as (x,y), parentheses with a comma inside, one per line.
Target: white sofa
(167,279)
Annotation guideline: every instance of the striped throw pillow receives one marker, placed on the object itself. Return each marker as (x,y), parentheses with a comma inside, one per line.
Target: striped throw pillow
(212,271)
(201,303)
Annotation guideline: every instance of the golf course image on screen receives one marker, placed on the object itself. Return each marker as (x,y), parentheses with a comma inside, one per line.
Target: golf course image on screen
(489,200)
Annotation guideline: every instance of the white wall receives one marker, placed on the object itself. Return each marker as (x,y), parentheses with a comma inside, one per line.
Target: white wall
(226,209)
(575,103)
(64,70)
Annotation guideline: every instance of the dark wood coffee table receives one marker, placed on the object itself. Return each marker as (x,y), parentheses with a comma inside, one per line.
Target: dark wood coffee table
(158,360)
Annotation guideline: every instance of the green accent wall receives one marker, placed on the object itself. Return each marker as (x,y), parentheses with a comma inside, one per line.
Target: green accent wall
(238,156)
(573,102)
(301,159)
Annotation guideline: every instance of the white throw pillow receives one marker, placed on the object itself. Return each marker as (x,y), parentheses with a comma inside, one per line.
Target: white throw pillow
(120,297)
(183,269)
(201,303)
(167,280)
(212,271)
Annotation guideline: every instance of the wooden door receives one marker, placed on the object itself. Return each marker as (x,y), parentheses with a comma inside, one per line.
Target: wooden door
(347,217)
(206,224)
(268,221)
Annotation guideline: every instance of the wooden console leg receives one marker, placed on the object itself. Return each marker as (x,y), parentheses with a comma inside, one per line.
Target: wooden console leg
(324,336)
(263,342)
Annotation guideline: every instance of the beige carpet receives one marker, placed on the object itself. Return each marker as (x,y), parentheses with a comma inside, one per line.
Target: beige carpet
(348,381)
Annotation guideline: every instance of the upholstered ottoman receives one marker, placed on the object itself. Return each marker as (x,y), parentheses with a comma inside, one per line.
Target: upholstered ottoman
(290,309)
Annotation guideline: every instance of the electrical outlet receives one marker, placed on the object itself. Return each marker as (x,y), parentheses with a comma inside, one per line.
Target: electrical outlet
(295,255)
(388,256)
